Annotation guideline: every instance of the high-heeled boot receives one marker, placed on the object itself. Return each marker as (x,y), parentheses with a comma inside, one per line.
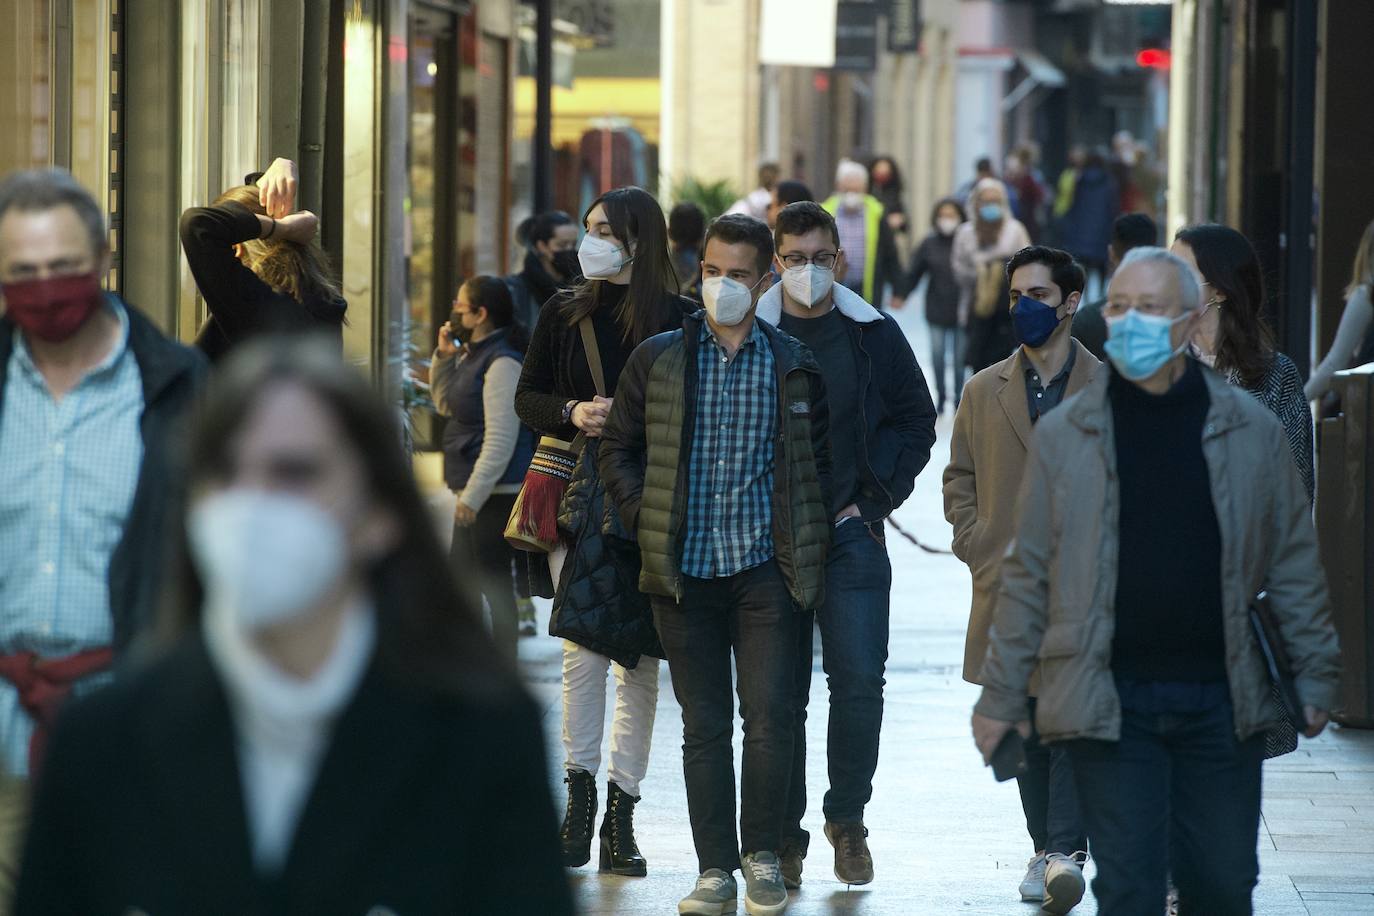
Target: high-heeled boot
(619,852)
(577,821)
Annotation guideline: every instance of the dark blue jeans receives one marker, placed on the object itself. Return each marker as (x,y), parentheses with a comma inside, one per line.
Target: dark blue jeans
(1048,797)
(854,628)
(752,615)
(1177,793)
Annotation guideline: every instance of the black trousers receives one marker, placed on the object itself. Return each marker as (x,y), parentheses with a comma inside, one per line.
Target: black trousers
(481,561)
(1049,797)
(751,616)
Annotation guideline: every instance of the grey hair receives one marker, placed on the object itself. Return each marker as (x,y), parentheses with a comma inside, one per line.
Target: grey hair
(1189,289)
(848,168)
(47,189)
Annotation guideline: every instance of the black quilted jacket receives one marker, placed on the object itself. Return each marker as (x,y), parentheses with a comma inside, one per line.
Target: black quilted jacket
(598,603)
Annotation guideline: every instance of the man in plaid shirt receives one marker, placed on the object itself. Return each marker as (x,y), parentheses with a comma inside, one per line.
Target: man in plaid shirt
(716,455)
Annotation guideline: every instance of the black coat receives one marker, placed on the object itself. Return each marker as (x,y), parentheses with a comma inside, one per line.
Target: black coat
(422,805)
(172,376)
(241,305)
(934,258)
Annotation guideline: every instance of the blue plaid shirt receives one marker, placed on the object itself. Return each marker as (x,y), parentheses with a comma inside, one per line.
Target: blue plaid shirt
(730,475)
(68,470)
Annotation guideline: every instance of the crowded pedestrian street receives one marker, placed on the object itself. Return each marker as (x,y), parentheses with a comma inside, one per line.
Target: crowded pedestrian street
(712,457)
(946,838)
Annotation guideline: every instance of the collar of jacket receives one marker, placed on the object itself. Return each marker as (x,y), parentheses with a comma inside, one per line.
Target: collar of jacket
(160,361)
(850,304)
(787,350)
(1092,411)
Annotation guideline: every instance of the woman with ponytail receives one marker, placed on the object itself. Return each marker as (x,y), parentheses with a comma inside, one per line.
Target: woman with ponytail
(258,266)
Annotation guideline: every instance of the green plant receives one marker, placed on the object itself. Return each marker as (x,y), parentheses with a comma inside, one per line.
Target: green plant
(713,197)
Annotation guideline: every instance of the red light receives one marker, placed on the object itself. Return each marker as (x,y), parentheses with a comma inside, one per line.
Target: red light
(1154,58)
(821,82)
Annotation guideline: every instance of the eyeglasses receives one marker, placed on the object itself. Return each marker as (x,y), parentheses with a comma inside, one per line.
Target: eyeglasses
(1117,309)
(825,260)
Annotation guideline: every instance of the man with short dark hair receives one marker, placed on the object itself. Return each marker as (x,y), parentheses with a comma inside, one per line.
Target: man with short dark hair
(89,394)
(786,192)
(882,426)
(716,455)
(1131,230)
(992,435)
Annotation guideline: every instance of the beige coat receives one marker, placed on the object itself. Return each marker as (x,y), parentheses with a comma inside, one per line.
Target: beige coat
(992,434)
(1056,604)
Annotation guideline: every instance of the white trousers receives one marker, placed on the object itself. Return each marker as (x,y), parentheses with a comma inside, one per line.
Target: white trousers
(584,708)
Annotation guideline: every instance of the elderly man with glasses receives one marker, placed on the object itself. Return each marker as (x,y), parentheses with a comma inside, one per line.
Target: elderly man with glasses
(882,425)
(1155,506)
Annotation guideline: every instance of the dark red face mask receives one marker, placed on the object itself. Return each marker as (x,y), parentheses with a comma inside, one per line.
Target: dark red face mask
(55,308)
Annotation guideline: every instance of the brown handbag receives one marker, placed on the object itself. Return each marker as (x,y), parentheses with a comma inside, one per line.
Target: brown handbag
(533,522)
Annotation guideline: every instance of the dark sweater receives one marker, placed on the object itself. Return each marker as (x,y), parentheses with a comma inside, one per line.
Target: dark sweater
(934,258)
(1168,593)
(829,341)
(556,369)
(241,305)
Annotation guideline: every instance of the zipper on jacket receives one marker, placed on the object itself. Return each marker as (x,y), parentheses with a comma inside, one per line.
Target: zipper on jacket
(863,417)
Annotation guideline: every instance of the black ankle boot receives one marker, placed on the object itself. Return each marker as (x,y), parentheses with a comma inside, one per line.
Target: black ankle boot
(577,822)
(619,852)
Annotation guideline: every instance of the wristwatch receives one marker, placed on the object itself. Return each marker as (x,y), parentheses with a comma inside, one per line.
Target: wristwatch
(568,410)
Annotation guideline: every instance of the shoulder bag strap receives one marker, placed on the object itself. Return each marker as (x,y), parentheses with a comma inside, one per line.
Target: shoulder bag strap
(593,355)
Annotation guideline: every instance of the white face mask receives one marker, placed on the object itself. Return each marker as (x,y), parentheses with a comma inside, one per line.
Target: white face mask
(600,259)
(947,225)
(852,200)
(808,284)
(267,557)
(727,301)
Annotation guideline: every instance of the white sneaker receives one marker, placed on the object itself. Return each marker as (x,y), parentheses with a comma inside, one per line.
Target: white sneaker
(1064,884)
(714,895)
(1033,885)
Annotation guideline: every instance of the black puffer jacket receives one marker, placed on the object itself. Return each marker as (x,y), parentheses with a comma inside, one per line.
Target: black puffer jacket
(598,604)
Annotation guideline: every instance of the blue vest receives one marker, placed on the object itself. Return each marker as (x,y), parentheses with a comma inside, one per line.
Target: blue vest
(464,431)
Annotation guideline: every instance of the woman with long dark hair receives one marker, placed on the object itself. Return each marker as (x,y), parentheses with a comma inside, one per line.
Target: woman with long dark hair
(258,267)
(629,293)
(934,259)
(486,448)
(1234,337)
(320,724)
(550,242)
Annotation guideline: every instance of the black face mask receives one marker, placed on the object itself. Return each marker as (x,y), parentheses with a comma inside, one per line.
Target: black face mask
(567,265)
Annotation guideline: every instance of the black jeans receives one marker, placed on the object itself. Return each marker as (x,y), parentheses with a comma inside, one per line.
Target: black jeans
(751,614)
(1177,793)
(481,561)
(854,631)
(1049,797)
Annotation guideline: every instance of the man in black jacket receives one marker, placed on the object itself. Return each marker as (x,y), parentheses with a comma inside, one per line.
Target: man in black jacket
(881,429)
(90,393)
(716,454)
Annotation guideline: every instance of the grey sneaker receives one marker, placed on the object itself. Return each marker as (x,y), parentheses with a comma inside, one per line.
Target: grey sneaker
(1033,885)
(764,893)
(1064,884)
(714,895)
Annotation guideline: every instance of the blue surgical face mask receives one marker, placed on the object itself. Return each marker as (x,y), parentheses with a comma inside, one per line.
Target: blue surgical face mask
(1034,321)
(1140,345)
(990,213)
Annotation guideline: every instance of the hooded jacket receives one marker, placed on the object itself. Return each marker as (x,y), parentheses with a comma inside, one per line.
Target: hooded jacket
(897,414)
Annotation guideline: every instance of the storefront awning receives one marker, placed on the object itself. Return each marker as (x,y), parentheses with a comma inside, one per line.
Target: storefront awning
(1039,72)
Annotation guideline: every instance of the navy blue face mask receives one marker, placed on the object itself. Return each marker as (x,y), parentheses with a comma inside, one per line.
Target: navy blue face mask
(1034,321)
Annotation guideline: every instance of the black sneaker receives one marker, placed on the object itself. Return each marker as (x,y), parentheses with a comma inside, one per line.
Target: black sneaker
(790,861)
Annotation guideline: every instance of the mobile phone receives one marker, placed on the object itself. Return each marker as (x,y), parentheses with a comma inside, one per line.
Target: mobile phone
(1009,760)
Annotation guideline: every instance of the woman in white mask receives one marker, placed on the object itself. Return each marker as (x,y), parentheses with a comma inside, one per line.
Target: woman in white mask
(628,294)
(320,724)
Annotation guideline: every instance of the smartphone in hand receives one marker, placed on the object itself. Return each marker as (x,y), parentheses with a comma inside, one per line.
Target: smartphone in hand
(1009,760)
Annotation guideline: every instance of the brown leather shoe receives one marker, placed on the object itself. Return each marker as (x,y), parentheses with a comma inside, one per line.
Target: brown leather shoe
(853,861)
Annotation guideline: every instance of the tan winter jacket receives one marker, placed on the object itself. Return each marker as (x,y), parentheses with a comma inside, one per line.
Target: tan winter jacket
(987,456)
(1055,608)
